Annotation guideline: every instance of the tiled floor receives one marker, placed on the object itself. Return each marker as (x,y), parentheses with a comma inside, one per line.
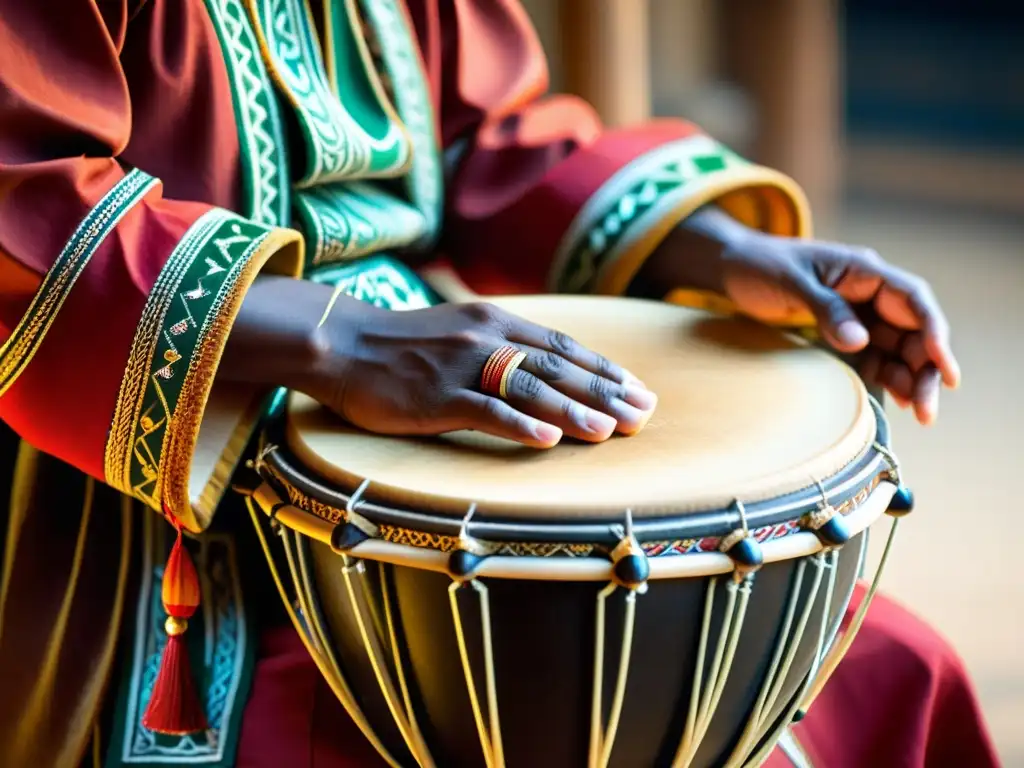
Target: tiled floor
(957,557)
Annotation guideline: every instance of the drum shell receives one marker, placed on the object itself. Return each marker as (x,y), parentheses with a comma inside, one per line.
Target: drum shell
(544,642)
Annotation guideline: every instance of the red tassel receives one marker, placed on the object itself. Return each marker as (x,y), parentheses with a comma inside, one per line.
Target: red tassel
(174,708)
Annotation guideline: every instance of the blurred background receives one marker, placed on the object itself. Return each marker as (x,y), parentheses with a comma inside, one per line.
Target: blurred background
(904,121)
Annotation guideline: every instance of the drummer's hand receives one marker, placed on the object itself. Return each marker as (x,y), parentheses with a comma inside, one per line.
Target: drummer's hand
(418,372)
(861,304)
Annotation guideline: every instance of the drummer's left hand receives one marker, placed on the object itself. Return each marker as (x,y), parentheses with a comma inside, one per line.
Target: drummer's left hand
(861,303)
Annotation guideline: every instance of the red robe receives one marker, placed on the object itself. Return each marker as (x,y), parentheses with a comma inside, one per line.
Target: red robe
(140,194)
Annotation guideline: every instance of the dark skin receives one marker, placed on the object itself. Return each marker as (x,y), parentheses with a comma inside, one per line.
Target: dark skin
(863,306)
(418,372)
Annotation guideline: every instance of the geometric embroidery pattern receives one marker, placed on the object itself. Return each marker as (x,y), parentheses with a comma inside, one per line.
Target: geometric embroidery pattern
(344,221)
(266,186)
(679,170)
(184,303)
(398,53)
(337,148)
(219,648)
(381,281)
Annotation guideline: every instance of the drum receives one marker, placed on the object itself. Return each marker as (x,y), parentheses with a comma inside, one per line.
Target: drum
(669,599)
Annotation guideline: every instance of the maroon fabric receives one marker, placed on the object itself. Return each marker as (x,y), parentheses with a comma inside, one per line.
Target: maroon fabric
(900,699)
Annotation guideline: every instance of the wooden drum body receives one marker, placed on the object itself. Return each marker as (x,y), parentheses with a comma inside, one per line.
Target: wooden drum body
(670,599)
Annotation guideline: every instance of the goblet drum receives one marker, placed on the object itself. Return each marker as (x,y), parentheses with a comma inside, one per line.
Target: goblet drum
(668,599)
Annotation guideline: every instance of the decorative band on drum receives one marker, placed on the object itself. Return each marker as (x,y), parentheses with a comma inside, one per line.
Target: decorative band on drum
(498,368)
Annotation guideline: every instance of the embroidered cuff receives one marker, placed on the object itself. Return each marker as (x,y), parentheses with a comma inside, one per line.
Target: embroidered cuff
(174,356)
(626,219)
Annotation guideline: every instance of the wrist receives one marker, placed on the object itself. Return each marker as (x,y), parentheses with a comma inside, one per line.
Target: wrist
(275,340)
(693,254)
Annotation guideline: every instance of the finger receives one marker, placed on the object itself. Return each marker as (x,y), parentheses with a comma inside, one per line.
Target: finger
(914,354)
(630,405)
(908,302)
(533,335)
(898,380)
(529,394)
(926,395)
(835,316)
(936,334)
(886,338)
(473,410)
(870,368)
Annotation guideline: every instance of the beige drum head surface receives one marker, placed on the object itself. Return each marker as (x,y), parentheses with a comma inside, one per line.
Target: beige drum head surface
(745,412)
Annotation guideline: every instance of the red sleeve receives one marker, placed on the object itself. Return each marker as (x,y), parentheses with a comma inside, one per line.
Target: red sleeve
(115,302)
(542,196)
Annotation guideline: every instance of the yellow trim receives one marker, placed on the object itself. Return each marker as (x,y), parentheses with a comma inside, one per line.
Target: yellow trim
(127,411)
(754,180)
(285,248)
(278,250)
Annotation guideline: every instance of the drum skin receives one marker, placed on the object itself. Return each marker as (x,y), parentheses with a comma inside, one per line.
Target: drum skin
(543,634)
(746,414)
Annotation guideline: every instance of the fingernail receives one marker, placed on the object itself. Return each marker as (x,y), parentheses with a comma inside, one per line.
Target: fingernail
(547,433)
(852,334)
(641,398)
(601,423)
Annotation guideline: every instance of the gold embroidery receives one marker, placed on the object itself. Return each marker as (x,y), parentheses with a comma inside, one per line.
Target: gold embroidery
(188,313)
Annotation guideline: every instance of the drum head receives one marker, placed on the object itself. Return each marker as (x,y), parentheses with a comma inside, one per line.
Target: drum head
(744,412)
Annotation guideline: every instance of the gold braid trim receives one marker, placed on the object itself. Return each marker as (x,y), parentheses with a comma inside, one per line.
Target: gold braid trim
(185,324)
(447,542)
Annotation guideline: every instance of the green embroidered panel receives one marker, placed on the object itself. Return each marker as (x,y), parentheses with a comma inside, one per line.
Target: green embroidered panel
(413,100)
(87,238)
(380,280)
(348,72)
(345,221)
(337,147)
(650,188)
(183,306)
(266,185)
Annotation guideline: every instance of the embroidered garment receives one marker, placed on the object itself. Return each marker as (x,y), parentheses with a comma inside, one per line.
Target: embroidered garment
(155,157)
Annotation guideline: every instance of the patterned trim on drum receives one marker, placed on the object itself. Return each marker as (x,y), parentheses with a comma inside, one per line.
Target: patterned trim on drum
(447,542)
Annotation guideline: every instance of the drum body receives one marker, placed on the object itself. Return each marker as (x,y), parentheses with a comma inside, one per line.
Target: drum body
(664,600)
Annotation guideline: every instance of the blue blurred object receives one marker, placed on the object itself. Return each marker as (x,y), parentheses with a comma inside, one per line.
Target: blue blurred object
(942,73)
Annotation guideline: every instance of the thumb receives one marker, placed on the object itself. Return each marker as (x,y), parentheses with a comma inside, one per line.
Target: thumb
(836,319)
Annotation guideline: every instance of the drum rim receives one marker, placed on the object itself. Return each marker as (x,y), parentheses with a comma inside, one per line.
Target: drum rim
(303,490)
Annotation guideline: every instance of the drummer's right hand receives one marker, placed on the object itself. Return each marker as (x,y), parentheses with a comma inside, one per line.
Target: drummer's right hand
(419,373)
